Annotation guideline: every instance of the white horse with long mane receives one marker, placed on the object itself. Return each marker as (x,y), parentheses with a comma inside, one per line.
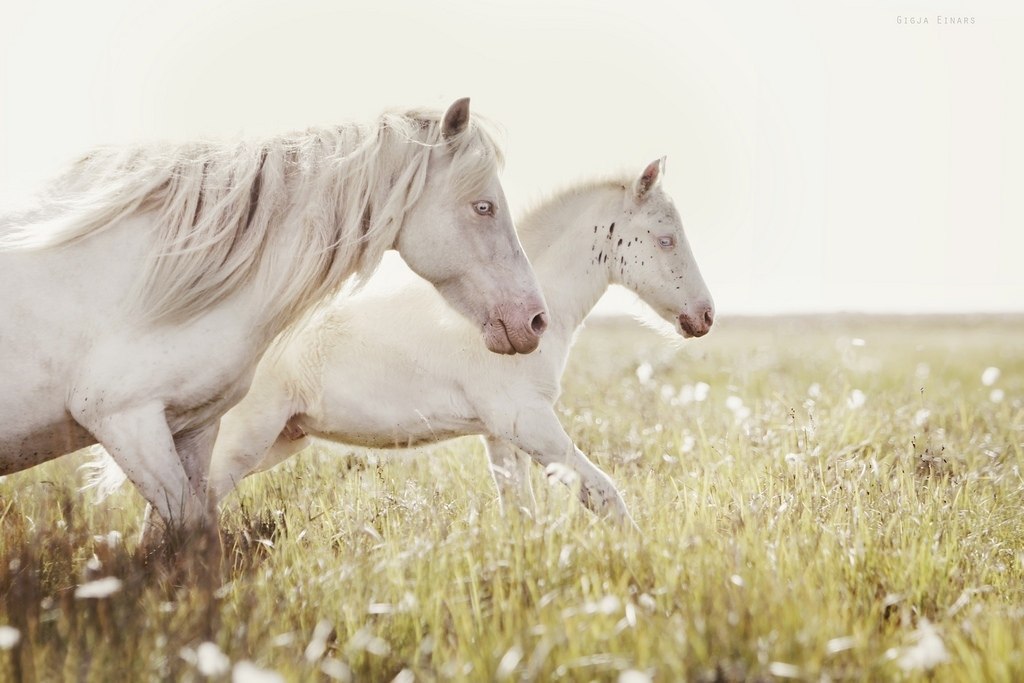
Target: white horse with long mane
(142,290)
(392,366)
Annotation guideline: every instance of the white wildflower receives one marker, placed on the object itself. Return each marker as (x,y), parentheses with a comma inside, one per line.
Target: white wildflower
(700,391)
(996,396)
(210,661)
(247,672)
(921,417)
(814,391)
(644,372)
(739,411)
(609,604)
(784,670)
(9,637)
(100,588)
(380,608)
(509,661)
(841,644)
(318,643)
(990,376)
(926,653)
(630,618)
(856,399)
(857,341)
(634,676)
(283,639)
(404,676)
(687,445)
(408,602)
(336,670)
(364,640)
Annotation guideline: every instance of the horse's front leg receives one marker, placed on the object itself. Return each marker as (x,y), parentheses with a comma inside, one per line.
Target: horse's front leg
(511,472)
(194,449)
(140,442)
(538,432)
(249,433)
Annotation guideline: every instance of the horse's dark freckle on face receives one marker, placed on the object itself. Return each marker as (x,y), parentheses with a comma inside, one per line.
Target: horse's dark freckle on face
(595,229)
(611,229)
(620,242)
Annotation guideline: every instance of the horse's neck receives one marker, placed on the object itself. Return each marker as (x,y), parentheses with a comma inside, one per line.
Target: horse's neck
(340,252)
(568,244)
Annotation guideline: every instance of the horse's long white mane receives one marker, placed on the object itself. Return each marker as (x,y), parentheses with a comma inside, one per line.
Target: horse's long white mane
(221,210)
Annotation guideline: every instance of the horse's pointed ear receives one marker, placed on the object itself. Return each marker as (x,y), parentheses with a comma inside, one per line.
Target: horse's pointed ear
(648,179)
(456,118)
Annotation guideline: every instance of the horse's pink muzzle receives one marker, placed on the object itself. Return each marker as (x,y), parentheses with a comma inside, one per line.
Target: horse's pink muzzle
(696,323)
(516,331)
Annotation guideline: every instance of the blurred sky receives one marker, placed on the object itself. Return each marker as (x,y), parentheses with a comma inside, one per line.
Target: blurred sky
(825,157)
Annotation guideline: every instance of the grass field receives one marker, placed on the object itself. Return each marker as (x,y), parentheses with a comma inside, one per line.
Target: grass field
(820,499)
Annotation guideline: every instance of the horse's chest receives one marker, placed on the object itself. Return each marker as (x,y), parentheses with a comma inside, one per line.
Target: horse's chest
(195,373)
(203,408)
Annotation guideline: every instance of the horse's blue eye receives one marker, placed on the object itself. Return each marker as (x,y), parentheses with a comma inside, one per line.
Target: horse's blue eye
(483,208)
(667,242)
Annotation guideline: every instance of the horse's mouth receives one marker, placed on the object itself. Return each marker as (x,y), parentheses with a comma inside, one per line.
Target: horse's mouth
(496,337)
(499,339)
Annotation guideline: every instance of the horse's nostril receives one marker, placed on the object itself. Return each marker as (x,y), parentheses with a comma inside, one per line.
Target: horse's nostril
(709,317)
(539,323)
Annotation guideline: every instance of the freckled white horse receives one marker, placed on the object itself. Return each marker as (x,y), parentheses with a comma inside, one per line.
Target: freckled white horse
(392,366)
(140,294)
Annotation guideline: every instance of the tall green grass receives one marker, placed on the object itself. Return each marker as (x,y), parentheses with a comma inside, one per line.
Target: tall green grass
(819,499)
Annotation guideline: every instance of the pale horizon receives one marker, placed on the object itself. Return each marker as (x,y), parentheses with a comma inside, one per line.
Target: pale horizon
(824,158)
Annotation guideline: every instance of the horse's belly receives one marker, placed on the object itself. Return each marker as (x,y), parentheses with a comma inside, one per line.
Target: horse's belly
(391,427)
(33,445)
